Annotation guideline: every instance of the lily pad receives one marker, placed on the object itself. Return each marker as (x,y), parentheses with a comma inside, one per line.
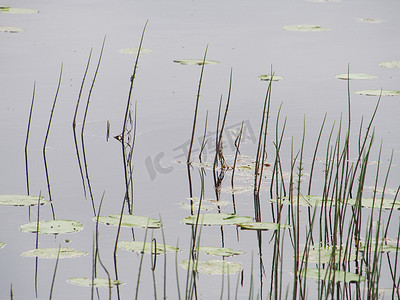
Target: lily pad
(305,27)
(268,77)
(220,251)
(370,20)
(327,274)
(355,76)
(53,227)
(137,246)
(195,62)
(53,252)
(308,200)
(378,92)
(382,248)
(213,267)
(21,200)
(390,64)
(323,254)
(130,221)
(369,202)
(96,282)
(2,244)
(216,219)
(12,10)
(262,226)
(135,51)
(10,29)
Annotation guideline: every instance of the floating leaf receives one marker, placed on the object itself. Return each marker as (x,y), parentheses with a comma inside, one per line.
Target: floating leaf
(137,246)
(220,251)
(378,92)
(53,252)
(383,248)
(305,27)
(2,244)
(12,10)
(53,227)
(130,221)
(216,219)
(355,76)
(213,267)
(323,254)
(134,51)
(328,274)
(96,282)
(390,64)
(308,200)
(21,200)
(269,76)
(195,62)
(369,203)
(262,226)
(369,20)
(10,29)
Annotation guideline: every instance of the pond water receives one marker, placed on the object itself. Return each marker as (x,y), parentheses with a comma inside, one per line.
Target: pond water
(245,36)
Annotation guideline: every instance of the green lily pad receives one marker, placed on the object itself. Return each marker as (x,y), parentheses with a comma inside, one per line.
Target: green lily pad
(53,227)
(2,244)
(10,29)
(216,219)
(370,20)
(130,221)
(21,200)
(327,274)
(305,27)
(198,62)
(220,251)
(135,51)
(262,226)
(213,267)
(53,252)
(390,64)
(308,200)
(268,77)
(137,246)
(323,254)
(383,248)
(368,202)
(12,10)
(97,282)
(355,76)
(378,92)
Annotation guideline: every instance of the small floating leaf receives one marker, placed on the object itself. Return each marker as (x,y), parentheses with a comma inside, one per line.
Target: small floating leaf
(130,221)
(305,27)
(53,252)
(97,282)
(262,226)
(369,202)
(10,29)
(382,248)
(308,200)
(355,76)
(2,244)
(220,251)
(216,219)
(378,92)
(137,246)
(53,227)
(12,10)
(21,200)
(268,77)
(195,62)
(328,274)
(213,267)
(323,254)
(369,20)
(135,51)
(390,64)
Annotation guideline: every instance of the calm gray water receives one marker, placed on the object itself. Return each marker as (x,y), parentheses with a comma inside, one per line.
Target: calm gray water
(246,36)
